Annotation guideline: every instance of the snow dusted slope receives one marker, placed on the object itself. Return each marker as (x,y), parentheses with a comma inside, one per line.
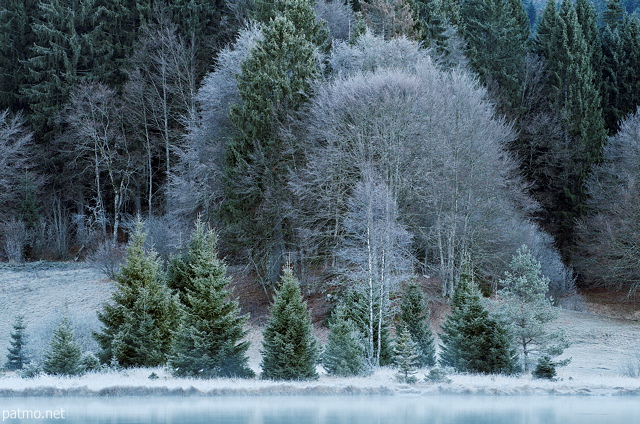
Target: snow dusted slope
(602,351)
(40,292)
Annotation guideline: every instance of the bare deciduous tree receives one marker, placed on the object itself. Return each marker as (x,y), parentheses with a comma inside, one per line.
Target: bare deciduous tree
(196,183)
(609,249)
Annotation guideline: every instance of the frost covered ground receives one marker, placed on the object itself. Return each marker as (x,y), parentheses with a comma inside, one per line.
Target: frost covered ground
(604,351)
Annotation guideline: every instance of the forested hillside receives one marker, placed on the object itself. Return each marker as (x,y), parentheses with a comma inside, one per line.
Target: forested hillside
(357,142)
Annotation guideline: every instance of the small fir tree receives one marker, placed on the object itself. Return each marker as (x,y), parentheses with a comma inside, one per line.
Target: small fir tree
(406,358)
(64,356)
(17,357)
(289,350)
(345,354)
(139,324)
(472,341)
(545,368)
(414,316)
(356,308)
(525,307)
(209,342)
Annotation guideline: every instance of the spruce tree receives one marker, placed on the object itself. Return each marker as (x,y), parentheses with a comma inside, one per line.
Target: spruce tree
(138,325)
(289,349)
(64,356)
(573,90)
(621,74)
(17,356)
(406,358)
(345,354)
(496,34)
(275,82)
(472,341)
(69,47)
(210,340)
(414,317)
(355,303)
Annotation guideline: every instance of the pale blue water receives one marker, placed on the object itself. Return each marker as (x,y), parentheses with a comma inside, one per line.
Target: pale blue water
(326,410)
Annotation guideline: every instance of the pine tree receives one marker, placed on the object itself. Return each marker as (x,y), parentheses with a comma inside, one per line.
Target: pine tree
(472,341)
(138,325)
(17,356)
(64,356)
(525,307)
(414,317)
(406,358)
(275,82)
(345,354)
(209,342)
(289,350)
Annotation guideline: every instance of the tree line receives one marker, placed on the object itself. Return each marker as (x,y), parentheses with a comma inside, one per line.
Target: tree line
(368,139)
(188,320)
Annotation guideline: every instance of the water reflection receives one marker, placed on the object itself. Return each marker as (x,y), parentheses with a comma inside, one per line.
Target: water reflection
(327,410)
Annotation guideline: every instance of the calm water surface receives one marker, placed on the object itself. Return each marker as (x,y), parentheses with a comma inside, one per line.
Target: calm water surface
(326,410)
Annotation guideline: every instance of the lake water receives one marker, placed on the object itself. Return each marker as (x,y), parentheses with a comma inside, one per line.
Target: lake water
(434,409)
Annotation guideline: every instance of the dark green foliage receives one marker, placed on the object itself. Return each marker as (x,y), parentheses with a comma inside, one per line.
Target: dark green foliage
(138,325)
(621,73)
(613,13)
(209,342)
(356,308)
(437,375)
(275,82)
(300,13)
(572,88)
(545,368)
(472,341)
(289,349)
(496,33)
(414,317)
(17,356)
(198,261)
(69,47)
(16,37)
(406,358)
(64,356)
(431,23)
(345,354)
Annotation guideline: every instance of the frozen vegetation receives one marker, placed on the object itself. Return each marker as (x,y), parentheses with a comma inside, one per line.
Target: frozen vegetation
(603,351)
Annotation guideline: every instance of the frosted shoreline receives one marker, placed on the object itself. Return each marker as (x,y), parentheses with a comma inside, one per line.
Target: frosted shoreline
(136,383)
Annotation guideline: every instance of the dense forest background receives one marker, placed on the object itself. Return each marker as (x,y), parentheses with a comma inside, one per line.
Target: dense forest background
(386,137)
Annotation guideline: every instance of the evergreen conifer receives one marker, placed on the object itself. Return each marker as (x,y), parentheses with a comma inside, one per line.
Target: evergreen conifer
(275,82)
(209,342)
(525,307)
(414,317)
(289,350)
(406,358)
(138,325)
(345,354)
(17,357)
(545,368)
(472,341)
(64,356)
